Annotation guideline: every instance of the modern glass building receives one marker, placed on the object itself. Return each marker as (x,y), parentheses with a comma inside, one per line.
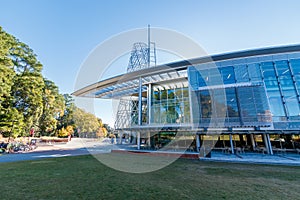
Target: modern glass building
(235,102)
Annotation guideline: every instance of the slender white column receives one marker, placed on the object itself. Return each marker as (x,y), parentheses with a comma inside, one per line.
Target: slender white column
(231,144)
(138,140)
(140,118)
(198,143)
(252,141)
(149,102)
(120,138)
(149,139)
(268,143)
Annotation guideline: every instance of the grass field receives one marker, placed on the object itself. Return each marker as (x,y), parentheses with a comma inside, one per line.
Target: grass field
(84,177)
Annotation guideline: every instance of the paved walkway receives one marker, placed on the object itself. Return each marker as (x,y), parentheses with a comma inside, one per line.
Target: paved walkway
(96,146)
(93,146)
(278,159)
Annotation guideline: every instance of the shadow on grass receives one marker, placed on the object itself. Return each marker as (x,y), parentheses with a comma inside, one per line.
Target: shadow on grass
(84,177)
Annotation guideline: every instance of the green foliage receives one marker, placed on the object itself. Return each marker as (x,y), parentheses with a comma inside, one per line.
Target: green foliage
(27,92)
(6,79)
(28,100)
(66,131)
(53,108)
(85,122)
(12,123)
(66,117)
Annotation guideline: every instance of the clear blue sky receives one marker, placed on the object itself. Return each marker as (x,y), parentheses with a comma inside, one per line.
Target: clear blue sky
(63,32)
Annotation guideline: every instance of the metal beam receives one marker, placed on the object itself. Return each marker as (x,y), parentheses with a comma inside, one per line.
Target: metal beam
(231,144)
(149,106)
(140,118)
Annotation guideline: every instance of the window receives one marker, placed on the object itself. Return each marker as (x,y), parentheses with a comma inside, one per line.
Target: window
(170,106)
(268,71)
(227,74)
(254,72)
(241,73)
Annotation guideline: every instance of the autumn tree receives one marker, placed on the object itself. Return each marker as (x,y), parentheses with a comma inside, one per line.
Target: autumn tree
(102,131)
(53,109)
(66,117)
(86,122)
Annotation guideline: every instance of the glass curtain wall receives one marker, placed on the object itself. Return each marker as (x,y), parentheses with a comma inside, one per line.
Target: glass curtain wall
(170,106)
(280,78)
(257,93)
(245,104)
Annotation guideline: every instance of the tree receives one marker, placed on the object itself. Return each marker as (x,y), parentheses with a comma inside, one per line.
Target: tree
(28,100)
(11,123)
(102,131)
(86,122)
(27,90)
(66,116)
(82,121)
(53,108)
(66,131)
(6,81)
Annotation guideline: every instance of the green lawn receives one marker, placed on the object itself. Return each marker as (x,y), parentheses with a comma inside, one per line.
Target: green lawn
(84,177)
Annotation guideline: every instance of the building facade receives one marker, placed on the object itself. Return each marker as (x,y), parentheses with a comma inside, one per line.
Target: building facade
(238,101)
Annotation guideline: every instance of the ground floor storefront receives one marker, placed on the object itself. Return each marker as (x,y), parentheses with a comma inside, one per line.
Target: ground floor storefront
(226,142)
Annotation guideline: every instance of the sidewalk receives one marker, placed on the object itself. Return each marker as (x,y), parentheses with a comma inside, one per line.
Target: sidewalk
(291,159)
(276,159)
(97,146)
(75,143)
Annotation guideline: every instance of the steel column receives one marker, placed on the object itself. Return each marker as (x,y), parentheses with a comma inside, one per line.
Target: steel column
(198,142)
(138,140)
(252,142)
(267,143)
(149,102)
(140,118)
(231,144)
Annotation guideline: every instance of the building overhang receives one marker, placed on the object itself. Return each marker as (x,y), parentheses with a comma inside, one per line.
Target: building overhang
(128,82)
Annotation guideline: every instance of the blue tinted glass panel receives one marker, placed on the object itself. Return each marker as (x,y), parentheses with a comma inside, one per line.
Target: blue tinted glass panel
(219,103)
(241,73)
(203,78)
(232,107)
(206,104)
(227,74)
(193,78)
(271,85)
(254,72)
(246,102)
(291,102)
(282,68)
(295,65)
(292,105)
(253,104)
(286,83)
(276,105)
(268,70)
(215,77)
(297,79)
(289,93)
